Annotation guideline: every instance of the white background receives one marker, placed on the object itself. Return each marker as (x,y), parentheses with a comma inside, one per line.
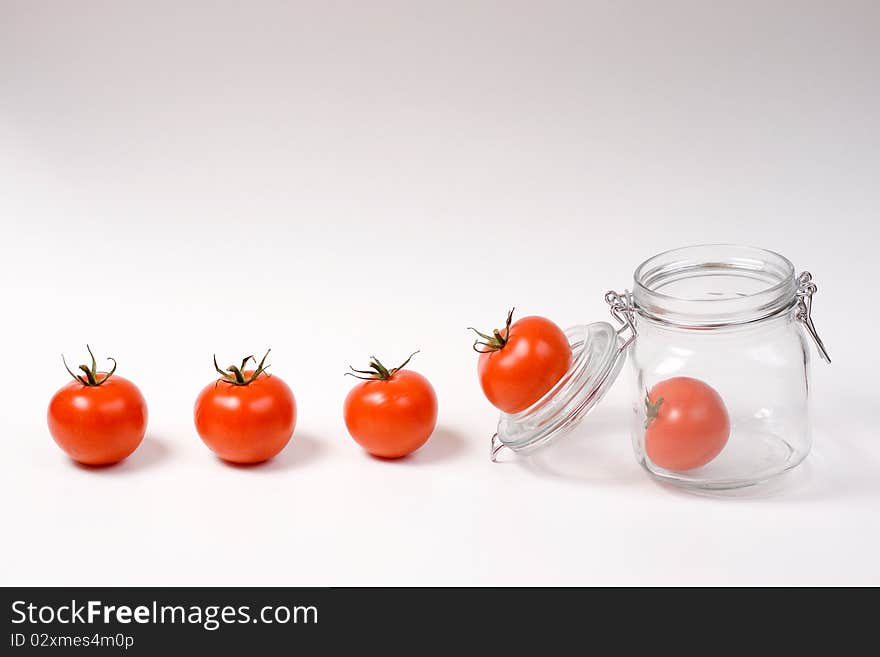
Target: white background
(336,179)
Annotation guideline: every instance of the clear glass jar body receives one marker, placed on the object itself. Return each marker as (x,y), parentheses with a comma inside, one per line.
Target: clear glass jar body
(728,317)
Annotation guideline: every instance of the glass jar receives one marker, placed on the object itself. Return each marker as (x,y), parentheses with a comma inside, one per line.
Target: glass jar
(717,339)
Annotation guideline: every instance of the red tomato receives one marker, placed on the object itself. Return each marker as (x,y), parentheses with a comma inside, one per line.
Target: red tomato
(687,424)
(392,412)
(521,363)
(246,416)
(98,418)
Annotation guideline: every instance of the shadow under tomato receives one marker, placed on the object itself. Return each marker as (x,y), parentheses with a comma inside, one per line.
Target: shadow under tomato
(775,488)
(151,452)
(301,450)
(444,444)
(596,452)
(834,469)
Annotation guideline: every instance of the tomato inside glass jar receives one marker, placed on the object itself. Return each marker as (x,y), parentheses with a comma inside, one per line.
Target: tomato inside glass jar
(686,424)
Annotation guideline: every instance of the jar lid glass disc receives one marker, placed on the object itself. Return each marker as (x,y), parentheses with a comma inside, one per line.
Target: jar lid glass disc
(598,354)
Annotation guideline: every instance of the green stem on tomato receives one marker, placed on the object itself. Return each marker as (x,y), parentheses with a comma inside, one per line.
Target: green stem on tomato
(493,342)
(377,371)
(235,374)
(91,373)
(651,409)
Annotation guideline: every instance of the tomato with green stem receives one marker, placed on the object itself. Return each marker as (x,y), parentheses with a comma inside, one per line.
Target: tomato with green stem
(522,362)
(99,418)
(246,416)
(686,423)
(392,412)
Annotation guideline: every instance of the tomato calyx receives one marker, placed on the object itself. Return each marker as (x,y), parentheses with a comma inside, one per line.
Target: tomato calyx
(235,375)
(495,342)
(377,371)
(90,376)
(651,409)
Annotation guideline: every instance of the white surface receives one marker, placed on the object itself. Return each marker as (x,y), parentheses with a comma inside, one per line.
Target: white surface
(335,181)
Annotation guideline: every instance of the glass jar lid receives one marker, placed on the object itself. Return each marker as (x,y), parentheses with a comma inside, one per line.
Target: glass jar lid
(598,353)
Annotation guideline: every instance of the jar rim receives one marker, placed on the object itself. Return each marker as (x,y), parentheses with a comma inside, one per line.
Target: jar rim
(761,282)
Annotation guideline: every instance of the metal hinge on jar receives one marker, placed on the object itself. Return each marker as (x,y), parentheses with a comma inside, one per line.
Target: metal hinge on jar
(622,310)
(804,313)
